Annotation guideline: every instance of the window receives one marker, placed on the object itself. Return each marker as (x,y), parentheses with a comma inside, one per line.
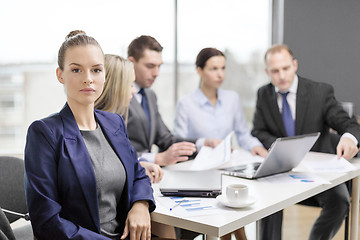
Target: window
(240,29)
(28,53)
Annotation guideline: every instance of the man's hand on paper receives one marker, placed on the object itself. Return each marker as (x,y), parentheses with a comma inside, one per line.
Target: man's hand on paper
(346,148)
(212,142)
(177,152)
(259,150)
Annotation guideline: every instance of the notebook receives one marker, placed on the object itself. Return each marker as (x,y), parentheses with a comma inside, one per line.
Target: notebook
(191,183)
(285,154)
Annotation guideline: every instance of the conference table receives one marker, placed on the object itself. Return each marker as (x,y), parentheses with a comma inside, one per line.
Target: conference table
(270,198)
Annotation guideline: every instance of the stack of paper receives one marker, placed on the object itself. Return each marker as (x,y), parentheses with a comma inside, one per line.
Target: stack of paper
(332,164)
(211,158)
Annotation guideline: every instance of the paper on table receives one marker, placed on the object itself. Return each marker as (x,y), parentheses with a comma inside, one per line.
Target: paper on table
(294,177)
(240,157)
(332,164)
(210,158)
(237,157)
(189,207)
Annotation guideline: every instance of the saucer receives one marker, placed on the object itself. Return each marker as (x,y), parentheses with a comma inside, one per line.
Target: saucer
(222,199)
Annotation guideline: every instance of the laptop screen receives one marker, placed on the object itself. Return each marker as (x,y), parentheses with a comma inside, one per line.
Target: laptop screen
(285,154)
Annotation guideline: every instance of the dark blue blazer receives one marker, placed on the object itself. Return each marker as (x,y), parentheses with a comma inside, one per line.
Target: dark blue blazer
(60,182)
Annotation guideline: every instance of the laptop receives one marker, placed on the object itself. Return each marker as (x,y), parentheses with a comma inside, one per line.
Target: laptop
(191,183)
(284,154)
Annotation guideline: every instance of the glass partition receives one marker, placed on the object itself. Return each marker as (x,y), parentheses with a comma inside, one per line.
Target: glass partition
(241,29)
(32,36)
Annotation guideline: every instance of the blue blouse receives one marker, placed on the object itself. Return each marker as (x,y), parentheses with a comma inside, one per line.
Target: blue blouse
(197,117)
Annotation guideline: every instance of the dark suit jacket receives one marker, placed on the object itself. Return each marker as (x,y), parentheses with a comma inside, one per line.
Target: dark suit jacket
(60,181)
(316,111)
(138,127)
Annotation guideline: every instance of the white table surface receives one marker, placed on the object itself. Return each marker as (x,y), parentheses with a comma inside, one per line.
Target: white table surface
(270,198)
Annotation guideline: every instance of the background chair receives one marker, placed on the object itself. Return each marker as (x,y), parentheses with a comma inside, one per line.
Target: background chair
(6,232)
(335,137)
(349,109)
(12,194)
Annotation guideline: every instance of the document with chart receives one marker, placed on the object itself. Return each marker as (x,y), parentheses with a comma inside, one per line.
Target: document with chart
(211,158)
(190,207)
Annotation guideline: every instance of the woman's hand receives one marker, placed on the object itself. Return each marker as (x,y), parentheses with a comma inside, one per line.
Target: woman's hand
(137,223)
(153,170)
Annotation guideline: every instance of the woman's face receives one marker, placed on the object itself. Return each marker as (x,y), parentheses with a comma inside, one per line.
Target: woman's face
(83,75)
(213,73)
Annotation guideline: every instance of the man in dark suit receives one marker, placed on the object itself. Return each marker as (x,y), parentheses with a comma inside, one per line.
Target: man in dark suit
(145,125)
(291,105)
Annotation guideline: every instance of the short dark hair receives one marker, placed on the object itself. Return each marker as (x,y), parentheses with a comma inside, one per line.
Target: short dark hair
(278,48)
(140,44)
(205,54)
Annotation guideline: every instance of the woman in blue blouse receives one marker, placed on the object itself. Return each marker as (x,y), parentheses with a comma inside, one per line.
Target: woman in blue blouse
(212,112)
(82,176)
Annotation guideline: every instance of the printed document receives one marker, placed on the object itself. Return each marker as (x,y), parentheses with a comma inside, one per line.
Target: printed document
(294,177)
(190,206)
(332,164)
(211,158)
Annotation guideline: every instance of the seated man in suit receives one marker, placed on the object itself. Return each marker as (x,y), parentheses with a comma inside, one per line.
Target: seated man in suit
(145,125)
(291,105)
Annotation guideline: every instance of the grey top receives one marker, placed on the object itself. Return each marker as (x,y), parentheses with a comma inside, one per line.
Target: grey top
(110,179)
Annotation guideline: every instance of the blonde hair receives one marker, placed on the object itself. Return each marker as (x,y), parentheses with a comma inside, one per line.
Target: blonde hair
(119,75)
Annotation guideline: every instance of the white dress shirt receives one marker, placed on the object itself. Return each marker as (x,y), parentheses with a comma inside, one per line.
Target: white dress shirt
(291,98)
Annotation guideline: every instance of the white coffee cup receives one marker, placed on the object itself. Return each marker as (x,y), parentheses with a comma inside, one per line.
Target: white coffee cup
(237,192)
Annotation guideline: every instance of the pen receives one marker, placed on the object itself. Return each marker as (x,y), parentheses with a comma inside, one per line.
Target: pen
(177,204)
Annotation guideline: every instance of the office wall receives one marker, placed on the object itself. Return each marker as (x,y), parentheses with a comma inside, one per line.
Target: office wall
(325,37)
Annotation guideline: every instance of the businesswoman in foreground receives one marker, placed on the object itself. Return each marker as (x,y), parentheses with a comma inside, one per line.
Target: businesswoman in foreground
(82,176)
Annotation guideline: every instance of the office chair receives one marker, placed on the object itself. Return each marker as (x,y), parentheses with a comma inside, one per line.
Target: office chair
(12,194)
(6,232)
(349,109)
(335,137)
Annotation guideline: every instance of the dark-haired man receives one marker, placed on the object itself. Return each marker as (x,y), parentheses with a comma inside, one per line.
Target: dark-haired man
(145,125)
